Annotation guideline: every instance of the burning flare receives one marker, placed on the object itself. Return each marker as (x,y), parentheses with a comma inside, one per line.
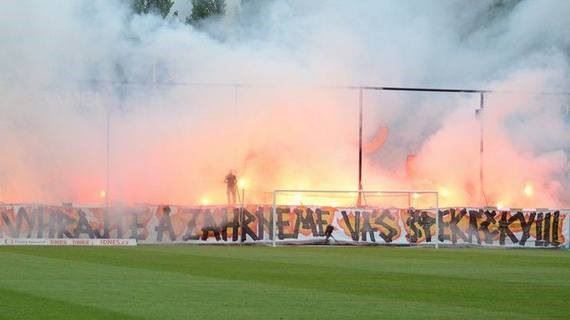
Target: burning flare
(528,190)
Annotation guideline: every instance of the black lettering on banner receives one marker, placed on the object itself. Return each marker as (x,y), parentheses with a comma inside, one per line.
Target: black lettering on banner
(210,226)
(555,223)
(298,213)
(165,224)
(8,222)
(471,225)
(367,228)
(40,225)
(191,227)
(83,226)
(52,223)
(525,225)
(281,224)
(263,223)
(352,229)
(322,221)
(391,230)
(413,218)
(489,235)
(546,229)
(107,227)
(135,226)
(21,216)
(426,222)
(225,225)
(2,214)
(62,225)
(29,218)
(307,222)
(473,230)
(455,231)
(247,218)
(442,225)
(539,242)
(504,229)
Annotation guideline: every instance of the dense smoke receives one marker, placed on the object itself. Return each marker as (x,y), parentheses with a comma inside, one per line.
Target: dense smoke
(65,66)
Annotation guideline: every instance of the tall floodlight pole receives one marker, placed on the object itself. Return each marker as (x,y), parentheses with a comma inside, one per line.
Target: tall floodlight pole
(482,145)
(108,156)
(359,199)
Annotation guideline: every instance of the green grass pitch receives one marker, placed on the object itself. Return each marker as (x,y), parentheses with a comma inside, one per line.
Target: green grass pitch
(254,282)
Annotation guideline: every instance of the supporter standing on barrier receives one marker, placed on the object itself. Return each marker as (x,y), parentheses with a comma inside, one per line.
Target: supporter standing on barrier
(231,188)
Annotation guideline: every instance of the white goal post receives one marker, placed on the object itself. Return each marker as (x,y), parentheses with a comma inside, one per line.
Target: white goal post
(345,199)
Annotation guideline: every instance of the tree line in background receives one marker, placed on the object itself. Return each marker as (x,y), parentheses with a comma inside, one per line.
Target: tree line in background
(201,9)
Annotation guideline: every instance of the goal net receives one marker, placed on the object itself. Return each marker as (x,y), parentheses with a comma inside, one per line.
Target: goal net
(407,217)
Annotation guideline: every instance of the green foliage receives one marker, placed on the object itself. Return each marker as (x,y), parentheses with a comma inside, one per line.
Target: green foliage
(161,7)
(202,9)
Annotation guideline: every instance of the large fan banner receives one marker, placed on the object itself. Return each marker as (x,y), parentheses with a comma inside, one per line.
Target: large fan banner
(289,225)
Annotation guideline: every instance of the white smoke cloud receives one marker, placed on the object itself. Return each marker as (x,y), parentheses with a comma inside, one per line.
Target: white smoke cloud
(62,65)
